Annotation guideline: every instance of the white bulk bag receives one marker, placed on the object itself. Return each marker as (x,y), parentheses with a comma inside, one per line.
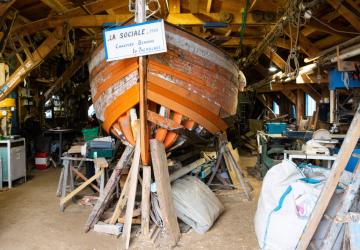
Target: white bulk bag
(284,205)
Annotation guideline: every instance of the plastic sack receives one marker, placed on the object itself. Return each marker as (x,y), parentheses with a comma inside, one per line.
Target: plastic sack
(286,201)
(195,203)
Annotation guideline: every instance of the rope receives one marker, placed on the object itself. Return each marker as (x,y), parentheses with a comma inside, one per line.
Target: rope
(243,26)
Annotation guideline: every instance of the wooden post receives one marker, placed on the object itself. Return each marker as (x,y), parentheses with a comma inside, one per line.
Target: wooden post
(140,16)
(327,192)
(131,193)
(162,179)
(299,105)
(145,202)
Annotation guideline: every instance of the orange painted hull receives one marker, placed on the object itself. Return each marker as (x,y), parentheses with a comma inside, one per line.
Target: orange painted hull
(194,81)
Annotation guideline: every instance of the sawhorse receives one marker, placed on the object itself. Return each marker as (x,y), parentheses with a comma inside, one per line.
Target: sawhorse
(67,176)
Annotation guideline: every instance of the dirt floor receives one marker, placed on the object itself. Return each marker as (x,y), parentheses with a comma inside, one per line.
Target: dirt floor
(30,219)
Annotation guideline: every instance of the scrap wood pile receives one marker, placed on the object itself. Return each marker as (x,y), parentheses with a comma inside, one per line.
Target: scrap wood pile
(309,207)
(167,192)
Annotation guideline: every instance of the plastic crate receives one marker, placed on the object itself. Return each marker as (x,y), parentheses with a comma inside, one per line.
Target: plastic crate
(90,133)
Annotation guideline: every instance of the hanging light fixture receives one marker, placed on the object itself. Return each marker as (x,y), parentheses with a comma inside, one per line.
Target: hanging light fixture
(272,67)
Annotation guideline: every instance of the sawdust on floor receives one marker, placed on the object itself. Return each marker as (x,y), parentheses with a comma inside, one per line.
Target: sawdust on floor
(30,219)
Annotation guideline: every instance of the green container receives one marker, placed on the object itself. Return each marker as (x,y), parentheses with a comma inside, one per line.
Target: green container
(100,152)
(90,133)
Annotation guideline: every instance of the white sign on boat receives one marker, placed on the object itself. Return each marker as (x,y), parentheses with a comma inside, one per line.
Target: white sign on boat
(134,40)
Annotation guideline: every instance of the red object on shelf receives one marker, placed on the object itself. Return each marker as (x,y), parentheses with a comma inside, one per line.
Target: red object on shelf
(41,161)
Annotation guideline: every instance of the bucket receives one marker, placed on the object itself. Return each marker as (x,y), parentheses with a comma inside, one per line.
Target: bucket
(41,161)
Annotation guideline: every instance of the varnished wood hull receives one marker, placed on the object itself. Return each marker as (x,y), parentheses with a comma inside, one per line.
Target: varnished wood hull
(194,80)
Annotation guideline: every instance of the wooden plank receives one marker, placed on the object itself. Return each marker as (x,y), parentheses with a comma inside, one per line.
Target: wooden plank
(105,197)
(145,202)
(231,170)
(84,178)
(121,201)
(163,122)
(134,170)
(350,16)
(162,179)
(347,147)
(36,59)
(79,188)
(5,6)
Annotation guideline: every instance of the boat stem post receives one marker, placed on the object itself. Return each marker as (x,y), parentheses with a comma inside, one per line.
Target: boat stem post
(140,16)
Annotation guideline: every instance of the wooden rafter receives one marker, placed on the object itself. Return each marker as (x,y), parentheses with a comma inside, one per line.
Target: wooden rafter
(68,73)
(346,13)
(329,41)
(59,8)
(308,30)
(312,92)
(289,95)
(85,21)
(36,59)
(5,6)
(305,44)
(191,19)
(55,5)
(235,41)
(273,56)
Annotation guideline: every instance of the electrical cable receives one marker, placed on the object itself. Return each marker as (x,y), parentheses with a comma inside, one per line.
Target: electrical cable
(336,30)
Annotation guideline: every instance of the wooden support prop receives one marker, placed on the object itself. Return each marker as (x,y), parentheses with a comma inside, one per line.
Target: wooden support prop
(163,122)
(345,205)
(109,189)
(79,188)
(134,170)
(300,99)
(121,202)
(145,202)
(84,178)
(327,192)
(162,180)
(36,59)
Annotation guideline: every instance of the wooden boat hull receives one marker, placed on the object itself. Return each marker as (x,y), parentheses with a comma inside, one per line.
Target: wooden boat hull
(194,82)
